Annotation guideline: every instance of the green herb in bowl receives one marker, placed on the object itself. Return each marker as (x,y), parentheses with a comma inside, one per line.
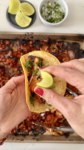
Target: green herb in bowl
(52,12)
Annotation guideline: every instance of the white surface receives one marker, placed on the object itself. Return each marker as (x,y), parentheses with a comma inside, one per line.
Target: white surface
(25,146)
(73,24)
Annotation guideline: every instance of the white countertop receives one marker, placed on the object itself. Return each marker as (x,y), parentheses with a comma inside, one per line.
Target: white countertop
(46,146)
(73,24)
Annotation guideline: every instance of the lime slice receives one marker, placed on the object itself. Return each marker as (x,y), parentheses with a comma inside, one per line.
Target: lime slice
(47,80)
(22,20)
(13,6)
(27,9)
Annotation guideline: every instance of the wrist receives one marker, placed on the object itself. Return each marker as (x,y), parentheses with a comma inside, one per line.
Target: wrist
(2,141)
(3,135)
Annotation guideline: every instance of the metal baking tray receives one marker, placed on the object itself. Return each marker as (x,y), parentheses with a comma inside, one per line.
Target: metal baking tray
(72,138)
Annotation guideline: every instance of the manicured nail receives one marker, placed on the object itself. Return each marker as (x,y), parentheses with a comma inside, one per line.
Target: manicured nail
(43,67)
(39,91)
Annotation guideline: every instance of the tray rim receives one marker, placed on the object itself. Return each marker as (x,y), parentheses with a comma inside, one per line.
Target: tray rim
(41,33)
(44,139)
(21,35)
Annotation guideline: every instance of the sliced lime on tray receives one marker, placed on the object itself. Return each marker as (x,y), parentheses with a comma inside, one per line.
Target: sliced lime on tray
(22,17)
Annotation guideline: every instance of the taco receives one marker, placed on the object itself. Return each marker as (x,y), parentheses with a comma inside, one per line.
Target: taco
(31,64)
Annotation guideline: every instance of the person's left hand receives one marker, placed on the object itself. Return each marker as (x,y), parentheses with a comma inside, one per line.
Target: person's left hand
(13,108)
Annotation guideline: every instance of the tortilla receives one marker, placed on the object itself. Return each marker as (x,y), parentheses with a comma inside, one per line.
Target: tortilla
(48,60)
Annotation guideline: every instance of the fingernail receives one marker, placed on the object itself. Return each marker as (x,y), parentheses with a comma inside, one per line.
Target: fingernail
(39,91)
(43,67)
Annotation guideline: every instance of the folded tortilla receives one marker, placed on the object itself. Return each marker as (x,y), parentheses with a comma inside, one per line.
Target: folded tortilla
(60,88)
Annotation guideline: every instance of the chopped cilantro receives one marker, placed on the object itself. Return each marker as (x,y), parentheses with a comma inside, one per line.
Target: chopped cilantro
(35,72)
(52,12)
(29,64)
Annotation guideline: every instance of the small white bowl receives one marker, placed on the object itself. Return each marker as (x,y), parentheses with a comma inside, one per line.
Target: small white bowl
(64,7)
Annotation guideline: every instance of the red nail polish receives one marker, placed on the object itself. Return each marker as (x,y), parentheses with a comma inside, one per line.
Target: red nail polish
(43,67)
(39,91)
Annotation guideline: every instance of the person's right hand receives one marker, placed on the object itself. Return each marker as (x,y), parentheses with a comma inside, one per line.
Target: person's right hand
(73,110)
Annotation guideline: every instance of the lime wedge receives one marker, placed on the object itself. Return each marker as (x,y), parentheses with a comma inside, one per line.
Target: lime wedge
(13,6)
(27,9)
(47,80)
(22,20)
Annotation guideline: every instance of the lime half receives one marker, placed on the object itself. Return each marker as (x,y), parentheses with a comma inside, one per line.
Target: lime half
(13,6)
(47,80)
(26,8)
(22,20)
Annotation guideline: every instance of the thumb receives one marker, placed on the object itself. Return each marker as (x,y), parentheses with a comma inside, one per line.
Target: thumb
(61,103)
(13,83)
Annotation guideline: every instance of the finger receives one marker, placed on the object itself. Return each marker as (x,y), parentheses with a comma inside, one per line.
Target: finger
(13,83)
(81,59)
(72,76)
(57,101)
(77,64)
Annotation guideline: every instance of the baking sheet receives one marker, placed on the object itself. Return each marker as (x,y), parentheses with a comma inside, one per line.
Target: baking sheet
(59,37)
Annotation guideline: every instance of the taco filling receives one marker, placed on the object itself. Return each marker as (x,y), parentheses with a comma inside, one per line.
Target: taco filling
(31,64)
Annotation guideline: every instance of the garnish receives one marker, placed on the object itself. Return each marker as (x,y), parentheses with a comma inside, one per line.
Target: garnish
(47,80)
(29,65)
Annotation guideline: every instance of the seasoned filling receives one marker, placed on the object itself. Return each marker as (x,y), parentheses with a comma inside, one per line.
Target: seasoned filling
(33,66)
(10,53)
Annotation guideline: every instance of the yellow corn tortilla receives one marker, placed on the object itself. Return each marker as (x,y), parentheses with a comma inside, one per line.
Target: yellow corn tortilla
(48,60)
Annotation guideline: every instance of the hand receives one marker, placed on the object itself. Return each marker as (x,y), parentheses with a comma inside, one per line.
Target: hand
(13,108)
(73,110)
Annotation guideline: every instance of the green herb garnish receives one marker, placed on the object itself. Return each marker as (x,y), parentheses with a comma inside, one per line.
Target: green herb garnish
(52,12)
(35,72)
(29,65)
